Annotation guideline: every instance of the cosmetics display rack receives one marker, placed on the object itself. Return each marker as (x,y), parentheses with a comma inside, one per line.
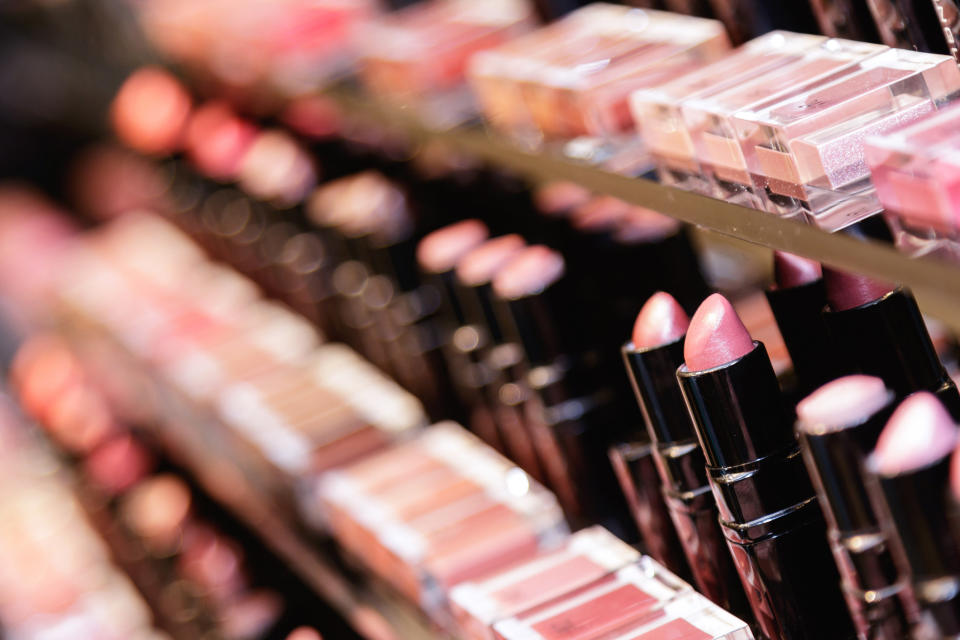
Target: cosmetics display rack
(936,283)
(187,434)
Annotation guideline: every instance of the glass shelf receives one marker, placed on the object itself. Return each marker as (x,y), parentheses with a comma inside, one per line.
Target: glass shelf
(935,283)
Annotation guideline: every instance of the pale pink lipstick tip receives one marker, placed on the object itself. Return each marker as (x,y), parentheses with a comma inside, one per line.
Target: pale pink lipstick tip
(716,336)
(661,321)
(918,433)
(481,264)
(531,271)
(848,290)
(842,403)
(440,250)
(791,270)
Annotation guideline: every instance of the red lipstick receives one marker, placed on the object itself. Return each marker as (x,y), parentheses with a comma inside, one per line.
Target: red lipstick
(911,468)
(838,426)
(797,300)
(768,510)
(877,329)
(652,359)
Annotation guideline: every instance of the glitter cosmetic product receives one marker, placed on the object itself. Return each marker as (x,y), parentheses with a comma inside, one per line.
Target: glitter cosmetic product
(916,172)
(573,78)
(658,110)
(808,150)
(708,119)
(642,601)
(587,556)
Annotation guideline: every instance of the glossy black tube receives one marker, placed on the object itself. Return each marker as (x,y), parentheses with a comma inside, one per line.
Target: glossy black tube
(887,338)
(682,472)
(768,511)
(918,524)
(877,595)
(798,313)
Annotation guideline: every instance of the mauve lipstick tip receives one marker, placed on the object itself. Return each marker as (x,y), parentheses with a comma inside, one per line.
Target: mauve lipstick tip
(481,264)
(791,270)
(661,321)
(440,250)
(848,290)
(918,433)
(716,336)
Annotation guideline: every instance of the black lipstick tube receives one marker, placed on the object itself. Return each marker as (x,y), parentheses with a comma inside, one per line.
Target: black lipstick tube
(798,313)
(918,526)
(682,473)
(877,595)
(566,406)
(887,338)
(768,511)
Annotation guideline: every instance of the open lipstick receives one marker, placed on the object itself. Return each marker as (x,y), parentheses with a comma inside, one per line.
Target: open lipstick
(910,470)
(652,358)
(495,367)
(838,426)
(768,511)
(568,408)
(797,300)
(877,329)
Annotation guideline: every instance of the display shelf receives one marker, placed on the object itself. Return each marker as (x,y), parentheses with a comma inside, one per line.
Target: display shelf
(200,444)
(936,283)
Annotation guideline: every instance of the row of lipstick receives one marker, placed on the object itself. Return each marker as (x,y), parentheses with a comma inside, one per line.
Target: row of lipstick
(781,123)
(868,328)
(210,585)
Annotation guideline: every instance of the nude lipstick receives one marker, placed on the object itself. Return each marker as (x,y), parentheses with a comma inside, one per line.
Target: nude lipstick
(797,300)
(910,468)
(838,426)
(652,357)
(878,330)
(768,511)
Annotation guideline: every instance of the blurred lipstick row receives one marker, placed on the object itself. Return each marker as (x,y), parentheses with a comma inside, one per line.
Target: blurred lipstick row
(195,574)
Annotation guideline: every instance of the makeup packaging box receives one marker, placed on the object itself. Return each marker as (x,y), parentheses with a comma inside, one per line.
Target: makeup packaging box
(642,601)
(588,555)
(419,54)
(437,510)
(573,77)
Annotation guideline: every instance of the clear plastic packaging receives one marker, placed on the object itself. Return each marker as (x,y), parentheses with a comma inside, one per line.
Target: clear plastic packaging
(586,556)
(808,150)
(573,78)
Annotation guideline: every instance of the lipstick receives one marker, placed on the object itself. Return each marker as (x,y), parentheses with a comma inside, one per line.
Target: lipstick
(908,483)
(652,358)
(797,300)
(768,510)
(838,426)
(496,367)
(877,329)
(569,411)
